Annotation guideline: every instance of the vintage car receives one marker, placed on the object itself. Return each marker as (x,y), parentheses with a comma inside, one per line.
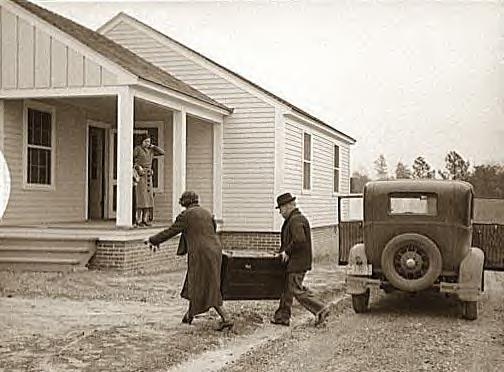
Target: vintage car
(416,236)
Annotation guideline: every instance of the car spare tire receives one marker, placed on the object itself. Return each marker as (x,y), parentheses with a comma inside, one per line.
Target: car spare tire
(411,262)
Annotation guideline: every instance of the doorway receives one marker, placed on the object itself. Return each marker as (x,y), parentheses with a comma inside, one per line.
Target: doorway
(96,173)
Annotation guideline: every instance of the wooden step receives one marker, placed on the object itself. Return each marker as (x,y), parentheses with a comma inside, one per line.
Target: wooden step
(19,253)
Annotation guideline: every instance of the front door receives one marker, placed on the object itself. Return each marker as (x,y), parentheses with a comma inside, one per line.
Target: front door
(96,170)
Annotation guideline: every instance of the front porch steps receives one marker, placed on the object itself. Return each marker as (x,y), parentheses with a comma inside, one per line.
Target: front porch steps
(45,253)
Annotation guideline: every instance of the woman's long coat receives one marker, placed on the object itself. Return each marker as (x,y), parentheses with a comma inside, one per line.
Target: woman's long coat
(145,189)
(204,257)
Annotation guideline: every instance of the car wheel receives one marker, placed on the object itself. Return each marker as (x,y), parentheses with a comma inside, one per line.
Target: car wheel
(411,262)
(470,310)
(360,302)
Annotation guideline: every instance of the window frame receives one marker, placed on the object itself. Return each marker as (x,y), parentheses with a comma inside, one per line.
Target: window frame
(338,168)
(303,190)
(38,106)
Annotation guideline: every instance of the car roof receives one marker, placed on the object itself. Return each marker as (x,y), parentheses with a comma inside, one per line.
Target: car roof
(426,186)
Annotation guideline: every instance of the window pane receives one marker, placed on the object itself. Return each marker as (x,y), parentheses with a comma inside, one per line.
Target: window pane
(115,157)
(415,204)
(155,168)
(306,176)
(307,147)
(39,166)
(336,180)
(336,156)
(39,128)
(114,198)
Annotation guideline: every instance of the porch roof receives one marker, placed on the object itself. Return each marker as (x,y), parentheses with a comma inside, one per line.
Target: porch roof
(117,54)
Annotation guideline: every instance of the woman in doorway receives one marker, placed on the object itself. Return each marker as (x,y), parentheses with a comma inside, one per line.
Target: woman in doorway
(143,155)
(204,258)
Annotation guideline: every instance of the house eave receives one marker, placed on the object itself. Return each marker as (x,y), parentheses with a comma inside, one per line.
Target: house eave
(320,126)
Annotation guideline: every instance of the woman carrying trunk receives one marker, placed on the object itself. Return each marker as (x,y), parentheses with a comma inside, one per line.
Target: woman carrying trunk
(204,258)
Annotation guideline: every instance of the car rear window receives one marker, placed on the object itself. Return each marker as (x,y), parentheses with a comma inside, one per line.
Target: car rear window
(413,204)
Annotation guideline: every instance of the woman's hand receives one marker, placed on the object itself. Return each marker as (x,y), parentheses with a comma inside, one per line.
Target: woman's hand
(152,247)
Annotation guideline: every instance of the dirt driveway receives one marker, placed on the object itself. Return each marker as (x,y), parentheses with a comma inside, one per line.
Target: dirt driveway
(400,333)
(96,321)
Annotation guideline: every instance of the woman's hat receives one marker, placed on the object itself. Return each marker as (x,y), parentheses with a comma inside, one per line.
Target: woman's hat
(284,199)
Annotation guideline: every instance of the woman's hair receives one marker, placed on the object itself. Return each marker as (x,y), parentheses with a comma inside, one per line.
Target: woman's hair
(188,198)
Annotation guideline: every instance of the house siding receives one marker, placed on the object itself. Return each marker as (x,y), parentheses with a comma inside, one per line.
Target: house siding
(199,176)
(163,200)
(249,143)
(32,58)
(320,203)
(67,201)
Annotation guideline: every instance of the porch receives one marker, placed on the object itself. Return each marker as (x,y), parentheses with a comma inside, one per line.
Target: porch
(86,171)
(77,245)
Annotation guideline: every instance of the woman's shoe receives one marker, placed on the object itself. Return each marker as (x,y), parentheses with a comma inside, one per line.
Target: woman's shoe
(187,319)
(228,324)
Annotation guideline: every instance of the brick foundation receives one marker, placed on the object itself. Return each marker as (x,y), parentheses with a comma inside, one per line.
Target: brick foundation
(264,241)
(130,256)
(324,241)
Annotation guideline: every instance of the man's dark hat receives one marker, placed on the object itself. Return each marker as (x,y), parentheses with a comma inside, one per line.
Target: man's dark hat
(284,199)
(145,136)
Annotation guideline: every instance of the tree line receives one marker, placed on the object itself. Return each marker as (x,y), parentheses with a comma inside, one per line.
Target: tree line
(487,179)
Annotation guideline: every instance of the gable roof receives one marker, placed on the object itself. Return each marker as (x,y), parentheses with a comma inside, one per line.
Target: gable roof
(117,53)
(254,85)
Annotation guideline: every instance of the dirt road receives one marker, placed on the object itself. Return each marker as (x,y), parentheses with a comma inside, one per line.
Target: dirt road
(400,333)
(96,321)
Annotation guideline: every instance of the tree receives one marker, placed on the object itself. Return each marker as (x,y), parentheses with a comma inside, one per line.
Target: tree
(422,169)
(381,168)
(358,181)
(402,171)
(456,167)
(488,180)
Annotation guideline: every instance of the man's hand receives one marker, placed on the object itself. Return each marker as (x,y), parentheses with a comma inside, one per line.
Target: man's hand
(151,246)
(284,256)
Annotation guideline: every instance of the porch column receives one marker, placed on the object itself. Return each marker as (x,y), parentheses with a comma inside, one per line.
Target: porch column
(218,135)
(179,157)
(125,122)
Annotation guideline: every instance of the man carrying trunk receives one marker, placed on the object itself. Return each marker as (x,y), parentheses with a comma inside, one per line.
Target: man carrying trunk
(296,252)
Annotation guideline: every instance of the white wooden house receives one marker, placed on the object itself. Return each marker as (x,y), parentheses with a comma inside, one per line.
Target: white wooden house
(72,104)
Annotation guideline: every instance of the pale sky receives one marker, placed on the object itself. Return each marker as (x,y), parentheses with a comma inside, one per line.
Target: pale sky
(405,78)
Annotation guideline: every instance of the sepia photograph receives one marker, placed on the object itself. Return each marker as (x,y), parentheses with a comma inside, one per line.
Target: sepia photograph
(252,186)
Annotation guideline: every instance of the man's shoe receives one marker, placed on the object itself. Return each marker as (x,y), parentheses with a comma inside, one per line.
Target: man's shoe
(280,322)
(322,315)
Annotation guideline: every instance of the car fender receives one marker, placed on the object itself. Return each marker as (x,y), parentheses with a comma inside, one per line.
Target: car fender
(357,270)
(470,273)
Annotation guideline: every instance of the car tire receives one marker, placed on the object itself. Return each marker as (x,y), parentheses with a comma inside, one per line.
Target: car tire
(426,256)
(360,302)
(470,310)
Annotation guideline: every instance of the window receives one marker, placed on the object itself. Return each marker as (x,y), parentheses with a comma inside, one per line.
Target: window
(336,167)
(307,161)
(413,204)
(39,146)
